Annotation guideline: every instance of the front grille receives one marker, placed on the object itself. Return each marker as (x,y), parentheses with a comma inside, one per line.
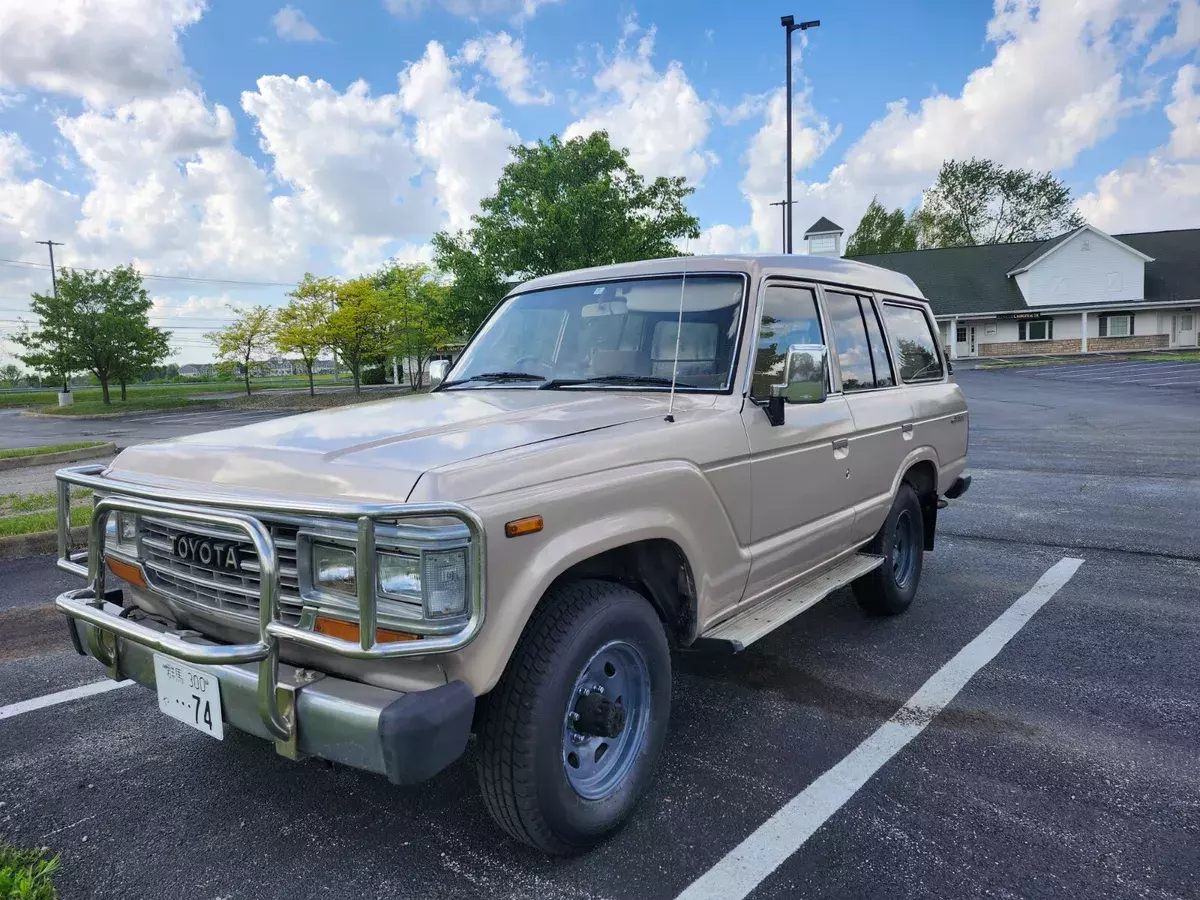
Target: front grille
(229,592)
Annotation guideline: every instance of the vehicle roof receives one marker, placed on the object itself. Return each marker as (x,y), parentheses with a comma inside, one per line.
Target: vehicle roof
(820,268)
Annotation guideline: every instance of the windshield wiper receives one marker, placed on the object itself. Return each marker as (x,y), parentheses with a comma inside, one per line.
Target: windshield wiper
(612,379)
(497,376)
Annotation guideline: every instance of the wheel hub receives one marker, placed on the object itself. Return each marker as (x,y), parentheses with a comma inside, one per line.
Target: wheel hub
(597,716)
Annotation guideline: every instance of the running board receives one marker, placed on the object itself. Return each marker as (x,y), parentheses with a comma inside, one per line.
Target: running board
(736,634)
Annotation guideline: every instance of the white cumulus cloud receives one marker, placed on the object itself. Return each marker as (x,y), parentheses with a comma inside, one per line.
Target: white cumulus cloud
(504,59)
(292,24)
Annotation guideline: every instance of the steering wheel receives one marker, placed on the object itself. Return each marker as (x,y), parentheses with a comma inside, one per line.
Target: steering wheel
(536,360)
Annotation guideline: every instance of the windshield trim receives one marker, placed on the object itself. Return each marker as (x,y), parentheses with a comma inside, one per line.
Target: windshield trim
(706,273)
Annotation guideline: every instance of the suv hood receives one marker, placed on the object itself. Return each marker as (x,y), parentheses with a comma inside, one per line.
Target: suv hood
(377,451)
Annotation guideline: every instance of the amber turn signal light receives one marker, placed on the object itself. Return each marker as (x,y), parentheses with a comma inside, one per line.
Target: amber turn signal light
(527,525)
(127,571)
(348,631)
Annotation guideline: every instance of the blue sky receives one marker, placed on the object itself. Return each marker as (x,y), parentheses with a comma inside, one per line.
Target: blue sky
(252,141)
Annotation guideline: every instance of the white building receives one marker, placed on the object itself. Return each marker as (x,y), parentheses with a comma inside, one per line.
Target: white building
(1083,291)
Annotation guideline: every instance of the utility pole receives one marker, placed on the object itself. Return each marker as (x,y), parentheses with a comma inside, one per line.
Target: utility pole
(784,206)
(789,25)
(50,245)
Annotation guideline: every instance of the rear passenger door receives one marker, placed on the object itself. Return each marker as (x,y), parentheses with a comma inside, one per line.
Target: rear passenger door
(883,427)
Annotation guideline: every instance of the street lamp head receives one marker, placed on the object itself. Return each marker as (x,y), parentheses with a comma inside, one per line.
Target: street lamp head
(787,21)
(804,26)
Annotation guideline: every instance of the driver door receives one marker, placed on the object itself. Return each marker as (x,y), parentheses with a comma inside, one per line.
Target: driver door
(802,504)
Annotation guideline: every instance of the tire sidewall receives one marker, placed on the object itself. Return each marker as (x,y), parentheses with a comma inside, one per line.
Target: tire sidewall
(906,499)
(624,615)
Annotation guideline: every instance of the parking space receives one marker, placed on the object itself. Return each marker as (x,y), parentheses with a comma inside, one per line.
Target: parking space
(1183,375)
(1065,766)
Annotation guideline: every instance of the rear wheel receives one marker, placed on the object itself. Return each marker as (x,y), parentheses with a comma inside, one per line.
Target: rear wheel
(570,735)
(890,588)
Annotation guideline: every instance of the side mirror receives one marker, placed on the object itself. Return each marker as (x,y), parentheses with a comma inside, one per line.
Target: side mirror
(437,371)
(805,377)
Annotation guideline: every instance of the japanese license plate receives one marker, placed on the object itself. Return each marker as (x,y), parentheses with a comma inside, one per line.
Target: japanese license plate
(189,695)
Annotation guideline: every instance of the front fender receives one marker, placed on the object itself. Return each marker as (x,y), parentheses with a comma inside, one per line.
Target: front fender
(585,516)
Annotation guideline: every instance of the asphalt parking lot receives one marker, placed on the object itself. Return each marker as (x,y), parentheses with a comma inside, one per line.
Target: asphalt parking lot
(1175,376)
(18,430)
(1067,766)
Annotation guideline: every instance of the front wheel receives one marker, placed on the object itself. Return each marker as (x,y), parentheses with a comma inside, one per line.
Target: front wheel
(570,735)
(890,588)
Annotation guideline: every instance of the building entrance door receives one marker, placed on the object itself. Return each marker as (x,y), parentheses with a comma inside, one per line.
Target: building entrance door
(1183,330)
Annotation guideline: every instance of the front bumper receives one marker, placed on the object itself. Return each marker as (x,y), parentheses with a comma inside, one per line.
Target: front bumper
(408,737)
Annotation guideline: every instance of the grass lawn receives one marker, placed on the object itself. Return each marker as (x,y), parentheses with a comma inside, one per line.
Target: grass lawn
(138,392)
(53,448)
(47,520)
(92,406)
(26,874)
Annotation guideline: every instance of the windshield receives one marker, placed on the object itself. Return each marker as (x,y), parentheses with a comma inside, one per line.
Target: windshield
(615,333)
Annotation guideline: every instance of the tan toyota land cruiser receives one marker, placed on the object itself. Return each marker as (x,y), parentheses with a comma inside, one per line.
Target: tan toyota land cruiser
(624,460)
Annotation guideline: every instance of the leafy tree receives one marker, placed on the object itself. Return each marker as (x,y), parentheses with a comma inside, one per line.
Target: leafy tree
(245,342)
(880,231)
(560,205)
(358,328)
(300,329)
(11,374)
(99,322)
(981,202)
(145,347)
(416,305)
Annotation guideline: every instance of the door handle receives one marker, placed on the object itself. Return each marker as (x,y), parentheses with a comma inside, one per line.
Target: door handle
(906,431)
(841,448)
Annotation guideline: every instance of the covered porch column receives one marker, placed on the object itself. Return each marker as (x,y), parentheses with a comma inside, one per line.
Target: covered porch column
(954,338)
(1083,332)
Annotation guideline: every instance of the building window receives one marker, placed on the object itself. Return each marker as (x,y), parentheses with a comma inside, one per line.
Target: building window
(822,243)
(960,334)
(1116,326)
(1185,322)
(1035,330)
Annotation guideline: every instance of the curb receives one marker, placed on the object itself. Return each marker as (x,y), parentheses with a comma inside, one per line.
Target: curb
(63,456)
(41,543)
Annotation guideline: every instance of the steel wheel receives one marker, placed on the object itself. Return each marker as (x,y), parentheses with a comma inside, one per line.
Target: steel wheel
(604,726)
(904,549)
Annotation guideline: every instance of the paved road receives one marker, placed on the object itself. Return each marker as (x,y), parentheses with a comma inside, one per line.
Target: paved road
(17,430)
(1066,767)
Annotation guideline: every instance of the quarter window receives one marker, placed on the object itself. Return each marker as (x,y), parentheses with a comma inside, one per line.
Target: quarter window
(850,336)
(789,316)
(913,344)
(1035,330)
(884,377)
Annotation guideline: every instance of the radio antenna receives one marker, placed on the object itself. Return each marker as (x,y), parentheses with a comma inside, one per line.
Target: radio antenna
(678,334)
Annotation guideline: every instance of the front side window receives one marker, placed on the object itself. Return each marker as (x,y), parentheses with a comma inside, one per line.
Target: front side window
(616,333)
(789,316)
(850,337)
(913,344)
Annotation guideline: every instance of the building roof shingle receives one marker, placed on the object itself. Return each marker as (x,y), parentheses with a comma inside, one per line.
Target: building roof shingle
(822,226)
(972,280)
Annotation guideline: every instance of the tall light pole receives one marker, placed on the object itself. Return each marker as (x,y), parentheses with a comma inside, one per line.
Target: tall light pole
(784,206)
(50,245)
(789,25)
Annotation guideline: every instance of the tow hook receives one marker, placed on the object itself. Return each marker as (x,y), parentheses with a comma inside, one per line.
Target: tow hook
(597,716)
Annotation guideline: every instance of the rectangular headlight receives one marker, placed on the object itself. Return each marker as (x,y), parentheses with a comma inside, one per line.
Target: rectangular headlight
(333,569)
(444,578)
(399,575)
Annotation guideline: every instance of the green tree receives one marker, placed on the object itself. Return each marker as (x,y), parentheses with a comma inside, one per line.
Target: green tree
(300,329)
(11,374)
(246,341)
(416,306)
(880,231)
(358,328)
(981,202)
(99,321)
(558,206)
(145,348)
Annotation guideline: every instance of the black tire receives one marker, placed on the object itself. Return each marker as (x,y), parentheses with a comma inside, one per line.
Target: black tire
(521,745)
(883,592)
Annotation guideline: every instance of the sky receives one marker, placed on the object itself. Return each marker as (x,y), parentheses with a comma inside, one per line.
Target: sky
(232,146)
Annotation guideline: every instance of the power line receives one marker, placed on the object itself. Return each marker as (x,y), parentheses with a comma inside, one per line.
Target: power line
(30,264)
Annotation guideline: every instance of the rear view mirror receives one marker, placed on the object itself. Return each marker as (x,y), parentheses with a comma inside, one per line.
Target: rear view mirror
(805,378)
(437,371)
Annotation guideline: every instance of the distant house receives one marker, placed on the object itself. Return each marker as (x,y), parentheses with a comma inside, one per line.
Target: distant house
(1083,291)
(197,370)
(824,238)
(323,367)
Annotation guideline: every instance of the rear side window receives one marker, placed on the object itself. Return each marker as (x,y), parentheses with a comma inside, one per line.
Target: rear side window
(789,316)
(850,337)
(913,343)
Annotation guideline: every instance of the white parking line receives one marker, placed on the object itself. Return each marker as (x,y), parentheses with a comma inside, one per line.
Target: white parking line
(75,693)
(1124,370)
(751,861)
